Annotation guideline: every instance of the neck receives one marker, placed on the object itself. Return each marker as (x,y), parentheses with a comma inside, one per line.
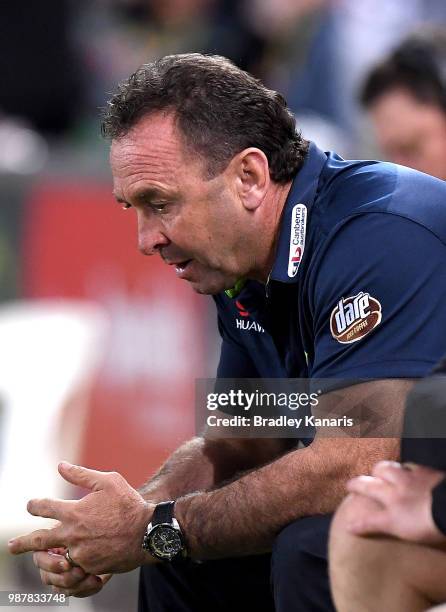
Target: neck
(268,246)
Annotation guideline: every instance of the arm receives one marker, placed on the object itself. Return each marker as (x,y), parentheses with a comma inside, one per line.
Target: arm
(202,464)
(103,530)
(244,516)
(197,464)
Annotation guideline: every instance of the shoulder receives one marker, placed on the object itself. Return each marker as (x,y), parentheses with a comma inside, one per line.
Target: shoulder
(359,189)
(384,241)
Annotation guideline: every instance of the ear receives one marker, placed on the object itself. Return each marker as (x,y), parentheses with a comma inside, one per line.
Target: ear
(251,170)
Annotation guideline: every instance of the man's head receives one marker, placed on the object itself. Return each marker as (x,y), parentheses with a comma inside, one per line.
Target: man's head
(204,153)
(406,97)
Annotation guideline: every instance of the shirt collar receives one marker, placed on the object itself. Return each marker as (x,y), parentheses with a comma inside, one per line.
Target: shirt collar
(291,242)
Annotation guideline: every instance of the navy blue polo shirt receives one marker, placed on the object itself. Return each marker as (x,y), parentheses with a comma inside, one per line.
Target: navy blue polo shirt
(358,286)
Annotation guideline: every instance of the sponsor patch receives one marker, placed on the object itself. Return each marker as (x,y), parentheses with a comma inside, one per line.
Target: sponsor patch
(354,317)
(241,309)
(246,323)
(297,238)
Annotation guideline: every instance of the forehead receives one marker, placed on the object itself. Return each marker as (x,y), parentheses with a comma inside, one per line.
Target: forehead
(151,145)
(399,113)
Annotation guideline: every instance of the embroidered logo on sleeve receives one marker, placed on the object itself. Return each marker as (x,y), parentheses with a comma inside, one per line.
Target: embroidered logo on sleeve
(246,323)
(297,238)
(354,317)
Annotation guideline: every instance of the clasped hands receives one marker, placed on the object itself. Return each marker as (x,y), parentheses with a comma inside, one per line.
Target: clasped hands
(396,500)
(103,532)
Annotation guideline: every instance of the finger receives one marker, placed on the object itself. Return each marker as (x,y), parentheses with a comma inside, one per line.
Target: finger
(66,580)
(373,523)
(405,476)
(51,562)
(391,471)
(84,477)
(49,508)
(105,578)
(369,486)
(424,470)
(408,465)
(383,465)
(85,588)
(57,551)
(42,539)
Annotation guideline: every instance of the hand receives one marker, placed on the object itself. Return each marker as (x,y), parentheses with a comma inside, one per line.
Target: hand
(103,531)
(404,498)
(55,571)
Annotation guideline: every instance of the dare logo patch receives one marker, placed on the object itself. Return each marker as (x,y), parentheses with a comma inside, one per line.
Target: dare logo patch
(354,317)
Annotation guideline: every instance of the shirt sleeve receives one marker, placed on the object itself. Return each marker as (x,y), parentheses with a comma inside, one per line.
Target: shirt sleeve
(424,432)
(439,506)
(425,420)
(378,300)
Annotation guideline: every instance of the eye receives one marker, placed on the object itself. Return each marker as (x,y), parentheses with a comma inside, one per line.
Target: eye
(126,206)
(158,207)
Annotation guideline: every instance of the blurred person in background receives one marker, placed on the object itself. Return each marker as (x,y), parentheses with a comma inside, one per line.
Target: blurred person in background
(43,90)
(128,33)
(405,95)
(348,38)
(219,179)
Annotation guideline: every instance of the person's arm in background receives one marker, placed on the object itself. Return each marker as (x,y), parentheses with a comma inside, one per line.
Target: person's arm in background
(410,499)
(404,494)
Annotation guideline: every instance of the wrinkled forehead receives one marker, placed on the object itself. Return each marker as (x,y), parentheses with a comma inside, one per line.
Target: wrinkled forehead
(155,134)
(155,141)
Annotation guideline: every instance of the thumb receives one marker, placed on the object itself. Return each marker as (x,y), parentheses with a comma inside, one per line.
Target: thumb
(82,476)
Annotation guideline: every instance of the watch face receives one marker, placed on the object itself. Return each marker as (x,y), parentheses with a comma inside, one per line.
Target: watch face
(165,542)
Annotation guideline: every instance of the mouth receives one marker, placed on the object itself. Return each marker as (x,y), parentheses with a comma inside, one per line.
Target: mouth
(180,267)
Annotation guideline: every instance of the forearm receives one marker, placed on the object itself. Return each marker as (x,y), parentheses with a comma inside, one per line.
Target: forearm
(243,517)
(179,474)
(202,464)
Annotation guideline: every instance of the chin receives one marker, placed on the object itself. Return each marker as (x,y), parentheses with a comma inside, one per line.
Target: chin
(207,288)
(212,286)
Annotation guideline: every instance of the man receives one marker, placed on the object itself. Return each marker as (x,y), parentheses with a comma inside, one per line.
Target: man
(324,256)
(398,561)
(406,97)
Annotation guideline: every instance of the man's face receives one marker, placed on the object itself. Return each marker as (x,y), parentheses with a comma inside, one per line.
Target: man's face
(195,224)
(410,132)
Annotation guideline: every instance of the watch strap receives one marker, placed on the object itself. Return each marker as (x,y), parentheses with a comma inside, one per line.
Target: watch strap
(163,513)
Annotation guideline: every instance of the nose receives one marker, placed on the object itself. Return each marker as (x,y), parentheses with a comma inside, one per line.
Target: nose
(151,237)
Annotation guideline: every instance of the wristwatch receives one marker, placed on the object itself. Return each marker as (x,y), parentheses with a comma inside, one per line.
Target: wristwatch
(163,538)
